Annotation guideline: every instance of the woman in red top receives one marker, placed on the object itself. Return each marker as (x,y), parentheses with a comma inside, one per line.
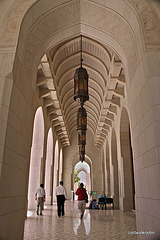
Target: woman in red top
(82,196)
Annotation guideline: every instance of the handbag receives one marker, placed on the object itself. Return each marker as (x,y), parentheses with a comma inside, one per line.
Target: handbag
(86,200)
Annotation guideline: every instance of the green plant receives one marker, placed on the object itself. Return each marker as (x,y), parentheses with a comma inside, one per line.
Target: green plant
(76,178)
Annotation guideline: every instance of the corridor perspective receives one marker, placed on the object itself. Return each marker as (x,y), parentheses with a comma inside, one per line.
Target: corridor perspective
(80,103)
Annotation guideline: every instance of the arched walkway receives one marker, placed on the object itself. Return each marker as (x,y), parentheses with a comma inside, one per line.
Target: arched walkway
(121,54)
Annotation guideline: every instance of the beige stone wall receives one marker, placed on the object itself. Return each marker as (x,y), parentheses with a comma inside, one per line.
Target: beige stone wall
(18,106)
(16,153)
(144,105)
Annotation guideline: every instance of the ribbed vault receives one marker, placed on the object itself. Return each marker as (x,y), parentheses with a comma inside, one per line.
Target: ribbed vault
(106,86)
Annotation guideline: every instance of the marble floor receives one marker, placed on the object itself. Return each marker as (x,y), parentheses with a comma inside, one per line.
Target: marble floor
(96,224)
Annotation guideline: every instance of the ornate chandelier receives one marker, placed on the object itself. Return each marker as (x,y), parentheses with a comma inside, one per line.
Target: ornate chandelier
(81,96)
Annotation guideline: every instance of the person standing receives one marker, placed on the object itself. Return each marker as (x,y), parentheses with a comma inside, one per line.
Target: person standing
(82,196)
(40,196)
(61,197)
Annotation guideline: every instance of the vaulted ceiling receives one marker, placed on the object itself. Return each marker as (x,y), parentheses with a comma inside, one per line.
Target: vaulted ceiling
(55,79)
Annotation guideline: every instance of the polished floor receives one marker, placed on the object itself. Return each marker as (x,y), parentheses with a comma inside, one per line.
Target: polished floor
(96,224)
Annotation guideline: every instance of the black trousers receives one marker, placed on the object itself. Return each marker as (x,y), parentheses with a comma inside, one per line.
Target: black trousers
(60,204)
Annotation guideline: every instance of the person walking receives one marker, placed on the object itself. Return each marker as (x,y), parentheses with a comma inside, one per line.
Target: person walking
(40,196)
(61,197)
(82,197)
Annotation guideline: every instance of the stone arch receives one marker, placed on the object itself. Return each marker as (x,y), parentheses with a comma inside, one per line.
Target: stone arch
(88,159)
(25,10)
(82,169)
(141,12)
(75,160)
(127,161)
(88,178)
(31,49)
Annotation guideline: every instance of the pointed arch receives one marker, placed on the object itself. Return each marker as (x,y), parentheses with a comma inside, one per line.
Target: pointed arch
(83,170)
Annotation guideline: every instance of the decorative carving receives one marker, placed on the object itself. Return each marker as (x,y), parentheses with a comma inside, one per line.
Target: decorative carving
(114,25)
(62,17)
(150,22)
(89,13)
(11,23)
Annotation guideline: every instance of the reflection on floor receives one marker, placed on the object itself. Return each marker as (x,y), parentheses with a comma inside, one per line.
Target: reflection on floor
(96,224)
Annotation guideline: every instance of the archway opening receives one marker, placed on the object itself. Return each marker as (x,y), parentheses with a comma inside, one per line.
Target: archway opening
(36,157)
(82,174)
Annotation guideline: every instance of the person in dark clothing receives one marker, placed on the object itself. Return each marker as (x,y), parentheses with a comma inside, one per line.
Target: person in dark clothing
(61,197)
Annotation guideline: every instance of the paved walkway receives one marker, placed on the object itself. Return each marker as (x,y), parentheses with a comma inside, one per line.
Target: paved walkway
(96,224)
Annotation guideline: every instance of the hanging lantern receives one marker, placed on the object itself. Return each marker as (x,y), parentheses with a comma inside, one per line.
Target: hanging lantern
(82,137)
(82,157)
(81,95)
(81,119)
(81,83)
(81,149)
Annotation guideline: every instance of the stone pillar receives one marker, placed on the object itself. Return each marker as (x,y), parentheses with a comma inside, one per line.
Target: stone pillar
(144,103)
(16,104)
